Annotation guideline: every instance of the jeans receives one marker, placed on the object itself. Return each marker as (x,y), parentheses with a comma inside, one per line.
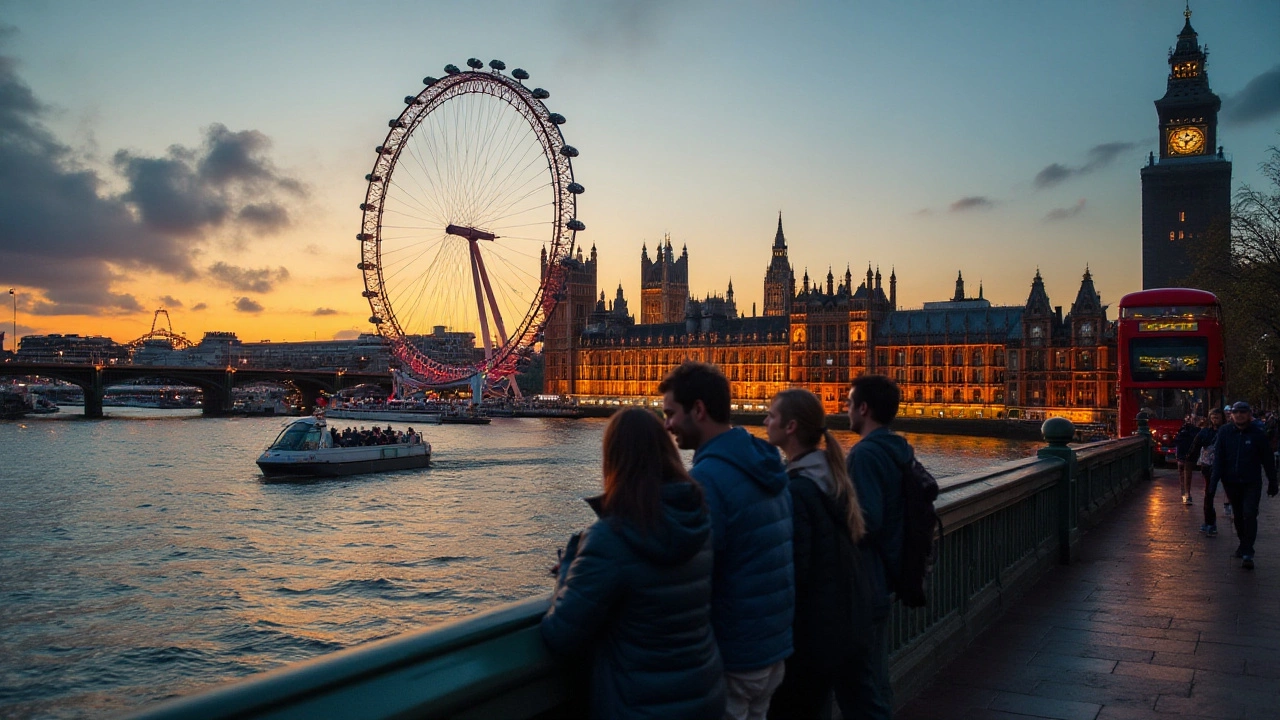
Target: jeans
(747,693)
(872,693)
(1210,491)
(1245,498)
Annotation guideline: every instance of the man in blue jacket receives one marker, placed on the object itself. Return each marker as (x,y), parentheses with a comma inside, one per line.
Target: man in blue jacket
(876,466)
(1241,454)
(745,483)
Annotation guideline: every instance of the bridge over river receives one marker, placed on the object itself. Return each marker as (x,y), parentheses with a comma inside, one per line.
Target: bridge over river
(215,383)
(1069,585)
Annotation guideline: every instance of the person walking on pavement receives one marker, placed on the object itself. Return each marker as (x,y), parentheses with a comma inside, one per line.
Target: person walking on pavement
(1186,464)
(1241,456)
(876,465)
(1202,452)
(753,588)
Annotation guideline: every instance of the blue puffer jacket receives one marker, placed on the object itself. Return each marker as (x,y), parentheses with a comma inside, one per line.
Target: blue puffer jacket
(753,593)
(640,604)
(875,465)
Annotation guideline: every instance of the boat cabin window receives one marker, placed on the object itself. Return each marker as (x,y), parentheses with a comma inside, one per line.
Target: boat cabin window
(298,436)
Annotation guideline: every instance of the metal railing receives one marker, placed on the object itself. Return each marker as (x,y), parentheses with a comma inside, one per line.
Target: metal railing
(1002,528)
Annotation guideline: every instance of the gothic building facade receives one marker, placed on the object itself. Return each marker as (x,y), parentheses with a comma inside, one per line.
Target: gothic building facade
(1186,192)
(664,284)
(962,357)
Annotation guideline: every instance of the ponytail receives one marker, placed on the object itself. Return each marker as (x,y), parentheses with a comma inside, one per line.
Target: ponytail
(806,410)
(845,495)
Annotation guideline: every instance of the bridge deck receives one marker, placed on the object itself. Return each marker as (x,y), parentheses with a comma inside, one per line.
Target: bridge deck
(1154,619)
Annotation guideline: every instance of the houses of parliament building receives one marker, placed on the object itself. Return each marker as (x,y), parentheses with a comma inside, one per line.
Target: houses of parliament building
(958,358)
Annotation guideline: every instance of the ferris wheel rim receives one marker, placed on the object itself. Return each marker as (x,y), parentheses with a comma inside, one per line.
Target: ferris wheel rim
(502,362)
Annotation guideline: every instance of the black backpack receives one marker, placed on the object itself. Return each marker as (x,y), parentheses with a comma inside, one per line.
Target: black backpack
(921,533)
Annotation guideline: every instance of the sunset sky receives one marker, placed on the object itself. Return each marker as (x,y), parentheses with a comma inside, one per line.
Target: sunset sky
(209,157)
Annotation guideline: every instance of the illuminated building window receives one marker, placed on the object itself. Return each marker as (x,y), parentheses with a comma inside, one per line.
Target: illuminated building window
(1173,235)
(1182,216)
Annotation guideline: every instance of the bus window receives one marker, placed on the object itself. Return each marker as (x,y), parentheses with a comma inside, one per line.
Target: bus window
(1169,404)
(1166,358)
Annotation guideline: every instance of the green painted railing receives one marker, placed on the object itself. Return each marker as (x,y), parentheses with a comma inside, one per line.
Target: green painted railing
(1002,528)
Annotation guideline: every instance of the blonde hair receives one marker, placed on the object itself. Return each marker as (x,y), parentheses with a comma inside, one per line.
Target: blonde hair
(806,410)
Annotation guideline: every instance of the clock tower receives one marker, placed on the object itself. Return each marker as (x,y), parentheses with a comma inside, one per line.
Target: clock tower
(1186,192)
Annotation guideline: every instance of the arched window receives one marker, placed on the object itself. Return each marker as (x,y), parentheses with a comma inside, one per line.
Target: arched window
(977,396)
(956,396)
(957,357)
(937,356)
(899,357)
(977,357)
(937,395)
(918,396)
(917,358)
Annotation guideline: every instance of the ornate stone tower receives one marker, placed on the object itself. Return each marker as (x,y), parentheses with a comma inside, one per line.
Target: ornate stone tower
(564,327)
(779,279)
(664,284)
(1186,194)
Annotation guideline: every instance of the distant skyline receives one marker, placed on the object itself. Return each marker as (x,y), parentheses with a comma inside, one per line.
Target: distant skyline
(209,157)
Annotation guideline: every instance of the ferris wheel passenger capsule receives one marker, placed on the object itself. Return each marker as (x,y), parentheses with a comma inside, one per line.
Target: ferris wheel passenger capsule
(367,206)
(575,188)
(369,293)
(365,266)
(452,69)
(541,94)
(429,81)
(395,123)
(520,74)
(375,320)
(576,225)
(373,178)
(474,63)
(497,65)
(556,118)
(569,151)
(363,237)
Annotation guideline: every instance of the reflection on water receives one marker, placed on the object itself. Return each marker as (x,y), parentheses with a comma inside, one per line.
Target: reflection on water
(144,557)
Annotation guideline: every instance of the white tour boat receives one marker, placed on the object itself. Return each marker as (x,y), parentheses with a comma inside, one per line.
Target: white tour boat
(304,448)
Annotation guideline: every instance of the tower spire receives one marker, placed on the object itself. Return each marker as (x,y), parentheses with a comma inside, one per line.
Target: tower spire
(779,240)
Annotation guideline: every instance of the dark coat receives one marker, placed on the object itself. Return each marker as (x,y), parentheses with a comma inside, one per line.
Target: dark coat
(833,617)
(640,605)
(1241,456)
(753,593)
(1182,441)
(876,465)
(1204,439)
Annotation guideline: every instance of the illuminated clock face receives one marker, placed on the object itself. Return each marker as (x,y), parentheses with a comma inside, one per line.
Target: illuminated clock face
(1086,328)
(1187,140)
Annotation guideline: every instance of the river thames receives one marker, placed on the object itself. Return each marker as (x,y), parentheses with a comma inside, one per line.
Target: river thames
(143,556)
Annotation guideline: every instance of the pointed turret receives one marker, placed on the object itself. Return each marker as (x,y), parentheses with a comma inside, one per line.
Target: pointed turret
(1088,302)
(959,297)
(644,252)
(1038,300)
(780,241)
(893,289)
(878,278)
(831,282)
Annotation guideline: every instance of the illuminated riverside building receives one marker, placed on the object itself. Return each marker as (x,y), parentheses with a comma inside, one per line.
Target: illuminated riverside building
(959,358)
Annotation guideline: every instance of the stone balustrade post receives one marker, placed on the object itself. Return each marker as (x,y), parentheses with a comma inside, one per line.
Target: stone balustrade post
(1058,432)
(1144,430)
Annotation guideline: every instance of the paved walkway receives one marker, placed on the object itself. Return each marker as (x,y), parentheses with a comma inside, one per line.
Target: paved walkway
(1153,620)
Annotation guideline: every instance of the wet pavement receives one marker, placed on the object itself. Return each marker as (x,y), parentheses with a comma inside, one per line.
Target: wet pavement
(1153,619)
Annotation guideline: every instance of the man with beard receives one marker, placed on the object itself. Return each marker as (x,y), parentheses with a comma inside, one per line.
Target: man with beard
(745,484)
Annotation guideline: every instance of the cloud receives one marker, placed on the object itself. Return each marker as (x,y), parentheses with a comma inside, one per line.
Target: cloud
(973,202)
(65,234)
(346,335)
(324,311)
(1259,100)
(170,301)
(199,306)
(248,305)
(261,280)
(627,26)
(1058,214)
(1098,157)
(923,212)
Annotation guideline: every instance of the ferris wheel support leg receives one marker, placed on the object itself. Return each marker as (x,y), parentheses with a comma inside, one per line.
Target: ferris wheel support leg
(484,318)
(493,302)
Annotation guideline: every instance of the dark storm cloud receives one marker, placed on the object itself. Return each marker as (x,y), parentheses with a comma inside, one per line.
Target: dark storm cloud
(199,306)
(973,202)
(65,233)
(259,280)
(170,301)
(318,312)
(1099,156)
(1259,100)
(247,305)
(1058,214)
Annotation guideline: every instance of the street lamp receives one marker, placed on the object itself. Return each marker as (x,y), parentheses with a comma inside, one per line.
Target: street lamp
(14,296)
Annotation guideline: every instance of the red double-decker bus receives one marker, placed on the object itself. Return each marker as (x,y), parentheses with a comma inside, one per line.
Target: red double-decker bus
(1171,360)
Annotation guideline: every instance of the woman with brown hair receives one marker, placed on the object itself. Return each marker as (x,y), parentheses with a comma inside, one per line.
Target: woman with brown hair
(833,614)
(634,590)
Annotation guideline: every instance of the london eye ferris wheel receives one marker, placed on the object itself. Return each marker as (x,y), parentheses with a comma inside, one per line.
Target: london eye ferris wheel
(473,183)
